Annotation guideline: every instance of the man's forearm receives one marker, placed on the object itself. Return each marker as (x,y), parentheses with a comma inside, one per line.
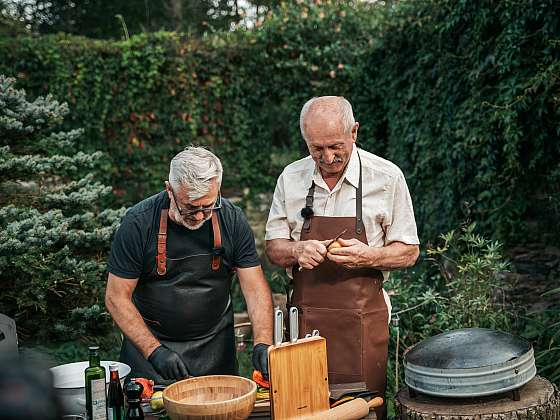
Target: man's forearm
(393,256)
(282,252)
(259,302)
(132,325)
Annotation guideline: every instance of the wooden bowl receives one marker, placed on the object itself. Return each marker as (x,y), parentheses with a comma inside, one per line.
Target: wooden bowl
(215,397)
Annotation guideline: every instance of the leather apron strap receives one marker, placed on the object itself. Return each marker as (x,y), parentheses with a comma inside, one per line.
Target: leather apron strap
(161,258)
(307,211)
(218,250)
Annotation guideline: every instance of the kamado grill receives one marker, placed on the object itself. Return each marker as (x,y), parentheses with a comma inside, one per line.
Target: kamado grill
(469,362)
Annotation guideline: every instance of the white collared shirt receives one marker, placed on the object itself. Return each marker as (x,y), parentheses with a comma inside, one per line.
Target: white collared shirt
(387,209)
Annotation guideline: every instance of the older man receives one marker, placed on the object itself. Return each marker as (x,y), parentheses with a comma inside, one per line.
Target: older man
(341,188)
(170,272)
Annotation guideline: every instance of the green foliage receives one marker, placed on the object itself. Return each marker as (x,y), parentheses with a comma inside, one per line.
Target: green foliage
(97,19)
(143,100)
(53,233)
(472,102)
(543,329)
(458,284)
(463,95)
(470,267)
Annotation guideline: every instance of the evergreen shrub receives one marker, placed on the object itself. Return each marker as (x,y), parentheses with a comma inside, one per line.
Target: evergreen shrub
(55,227)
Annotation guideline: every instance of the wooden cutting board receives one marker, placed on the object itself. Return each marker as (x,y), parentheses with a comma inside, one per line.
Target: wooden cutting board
(298,372)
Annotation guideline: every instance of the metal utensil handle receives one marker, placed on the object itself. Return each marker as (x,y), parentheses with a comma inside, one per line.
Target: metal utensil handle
(278,326)
(294,324)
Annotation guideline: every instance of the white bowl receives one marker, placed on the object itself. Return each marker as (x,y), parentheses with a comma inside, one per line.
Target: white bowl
(69,382)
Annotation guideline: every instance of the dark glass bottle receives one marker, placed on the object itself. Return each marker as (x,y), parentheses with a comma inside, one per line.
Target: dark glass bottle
(133,391)
(96,397)
(115,397)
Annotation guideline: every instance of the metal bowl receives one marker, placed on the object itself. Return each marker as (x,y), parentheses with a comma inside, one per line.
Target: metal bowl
(69,381)
(469,362)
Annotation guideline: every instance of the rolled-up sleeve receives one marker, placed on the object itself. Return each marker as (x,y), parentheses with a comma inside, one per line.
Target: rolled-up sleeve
(401,225)
(277,226)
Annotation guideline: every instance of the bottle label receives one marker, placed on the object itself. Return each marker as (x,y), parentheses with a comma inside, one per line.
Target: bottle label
(98,400)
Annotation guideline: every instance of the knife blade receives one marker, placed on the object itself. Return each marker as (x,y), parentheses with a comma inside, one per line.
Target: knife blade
(294,324)
(336,237)
(278,326)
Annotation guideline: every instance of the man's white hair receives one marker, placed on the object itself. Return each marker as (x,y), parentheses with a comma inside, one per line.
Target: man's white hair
(195,168)
(343,108)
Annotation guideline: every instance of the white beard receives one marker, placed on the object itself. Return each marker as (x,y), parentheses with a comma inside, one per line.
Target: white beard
(197,225)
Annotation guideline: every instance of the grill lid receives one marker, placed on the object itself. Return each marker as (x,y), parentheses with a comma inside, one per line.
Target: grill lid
(467,348)
(469,362)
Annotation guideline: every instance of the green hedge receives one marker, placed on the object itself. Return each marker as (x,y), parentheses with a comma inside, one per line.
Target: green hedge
(463,95)
(239,93)
(472,98)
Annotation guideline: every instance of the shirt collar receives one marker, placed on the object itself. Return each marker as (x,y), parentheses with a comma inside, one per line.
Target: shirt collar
(351,173)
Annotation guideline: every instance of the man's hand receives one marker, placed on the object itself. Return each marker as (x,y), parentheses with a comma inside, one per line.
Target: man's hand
(260,358)
(352,254)
(310,254)
(168,363)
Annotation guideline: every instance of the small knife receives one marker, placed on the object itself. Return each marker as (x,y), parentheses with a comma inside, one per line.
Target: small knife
(330,243)
(294,324)
(278,326)
(337,237)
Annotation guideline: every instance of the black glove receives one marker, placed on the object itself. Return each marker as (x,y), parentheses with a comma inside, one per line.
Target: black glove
(260,358)
(168,363)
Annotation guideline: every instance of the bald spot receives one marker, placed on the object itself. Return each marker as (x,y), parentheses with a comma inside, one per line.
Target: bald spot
(323,118)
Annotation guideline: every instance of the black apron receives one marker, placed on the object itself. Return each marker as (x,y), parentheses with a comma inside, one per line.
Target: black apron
(186,304)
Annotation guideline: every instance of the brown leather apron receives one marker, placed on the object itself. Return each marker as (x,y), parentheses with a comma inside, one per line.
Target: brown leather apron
(346,305)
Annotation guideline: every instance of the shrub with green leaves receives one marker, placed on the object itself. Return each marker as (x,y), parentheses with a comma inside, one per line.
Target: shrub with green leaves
(458,285)
(542,327)
(462,95)
(55,228)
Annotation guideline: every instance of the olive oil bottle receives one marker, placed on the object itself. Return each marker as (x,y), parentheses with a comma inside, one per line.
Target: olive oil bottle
(96,396)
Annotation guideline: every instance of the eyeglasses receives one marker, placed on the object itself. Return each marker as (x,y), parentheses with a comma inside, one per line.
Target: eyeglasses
(192,211)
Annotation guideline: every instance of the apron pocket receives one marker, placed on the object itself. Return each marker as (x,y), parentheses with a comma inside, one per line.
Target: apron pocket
(375,336)
(343,330)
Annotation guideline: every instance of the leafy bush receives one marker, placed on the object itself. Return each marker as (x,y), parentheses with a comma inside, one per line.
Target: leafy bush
(462,95)
(458,284)
(543,329)
(53,233)
(471,99)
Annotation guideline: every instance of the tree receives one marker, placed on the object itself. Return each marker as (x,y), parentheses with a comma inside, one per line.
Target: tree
(9,25)
(97,18)
(53,232)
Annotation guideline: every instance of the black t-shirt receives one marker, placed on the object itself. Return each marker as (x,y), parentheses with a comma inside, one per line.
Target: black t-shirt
(134,249)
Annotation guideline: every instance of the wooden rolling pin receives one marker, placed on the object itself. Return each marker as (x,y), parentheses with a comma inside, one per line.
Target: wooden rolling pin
(351,410)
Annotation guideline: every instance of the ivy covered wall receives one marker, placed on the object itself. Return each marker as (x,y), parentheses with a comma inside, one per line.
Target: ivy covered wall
(462,95)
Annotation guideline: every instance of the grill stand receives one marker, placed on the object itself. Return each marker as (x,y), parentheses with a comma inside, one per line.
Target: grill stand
(516,395)
(538,400)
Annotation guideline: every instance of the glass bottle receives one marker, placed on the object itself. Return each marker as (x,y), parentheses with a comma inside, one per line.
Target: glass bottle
(133,391)
(96,397)
(115,397)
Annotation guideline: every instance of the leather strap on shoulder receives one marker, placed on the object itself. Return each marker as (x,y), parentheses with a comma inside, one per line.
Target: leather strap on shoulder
(359,218)
(307,211)
(218,250)
(161,258)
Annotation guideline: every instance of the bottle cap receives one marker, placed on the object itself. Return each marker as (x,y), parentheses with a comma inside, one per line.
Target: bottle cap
(113,367)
